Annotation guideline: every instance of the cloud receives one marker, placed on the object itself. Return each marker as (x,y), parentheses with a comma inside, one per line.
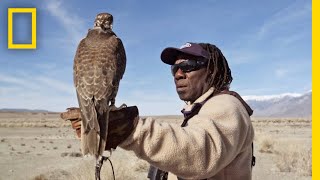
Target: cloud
(30,100)
(39,83)
(72,23)
(292,68)
(32,92)
(57,85)
(23,82)
(292,38)
(48,66)
(238,56)
(284,17)
(5,91)
(44,92)
(280,73)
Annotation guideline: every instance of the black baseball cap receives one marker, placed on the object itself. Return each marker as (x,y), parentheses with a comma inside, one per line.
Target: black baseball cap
(170,54)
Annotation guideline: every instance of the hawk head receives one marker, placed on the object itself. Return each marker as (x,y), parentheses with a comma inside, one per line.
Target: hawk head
(103,21)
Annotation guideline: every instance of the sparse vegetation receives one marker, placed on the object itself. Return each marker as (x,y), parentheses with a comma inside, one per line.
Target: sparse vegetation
(277,139)
(267,145)
(71,154)
(294,158)
(55,174)
(64,154)
(75,154)
(40,177)
(282,143)
(123,170)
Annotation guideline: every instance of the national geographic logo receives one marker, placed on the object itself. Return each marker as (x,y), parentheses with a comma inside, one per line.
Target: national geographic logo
(33,44)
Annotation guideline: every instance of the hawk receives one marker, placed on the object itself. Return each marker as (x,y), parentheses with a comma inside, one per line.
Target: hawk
(99,65)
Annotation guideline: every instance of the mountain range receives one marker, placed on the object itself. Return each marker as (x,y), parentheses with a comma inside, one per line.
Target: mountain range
(23,110)
(283,105)
(289,105)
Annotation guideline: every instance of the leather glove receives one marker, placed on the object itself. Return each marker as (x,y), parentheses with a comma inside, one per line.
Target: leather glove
(122,122)
(73,114)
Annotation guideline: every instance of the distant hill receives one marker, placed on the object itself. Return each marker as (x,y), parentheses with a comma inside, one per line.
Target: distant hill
(285,105)
(23,110)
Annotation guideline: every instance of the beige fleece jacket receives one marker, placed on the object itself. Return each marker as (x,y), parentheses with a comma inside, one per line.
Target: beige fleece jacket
(215,144)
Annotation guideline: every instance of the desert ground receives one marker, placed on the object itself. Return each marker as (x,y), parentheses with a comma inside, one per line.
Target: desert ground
(40,146)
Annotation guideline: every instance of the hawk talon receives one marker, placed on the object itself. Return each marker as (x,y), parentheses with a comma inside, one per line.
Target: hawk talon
(99,164)
(98,169)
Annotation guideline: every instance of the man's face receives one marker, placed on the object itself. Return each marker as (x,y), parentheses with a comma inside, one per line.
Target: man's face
(190,85)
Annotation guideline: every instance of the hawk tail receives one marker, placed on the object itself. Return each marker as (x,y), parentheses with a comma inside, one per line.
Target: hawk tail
(103,121)
(90,128)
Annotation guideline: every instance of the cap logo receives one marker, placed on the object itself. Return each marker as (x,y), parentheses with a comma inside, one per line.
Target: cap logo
(185,45)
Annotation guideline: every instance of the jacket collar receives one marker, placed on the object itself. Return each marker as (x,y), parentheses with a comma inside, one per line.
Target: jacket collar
(189,107)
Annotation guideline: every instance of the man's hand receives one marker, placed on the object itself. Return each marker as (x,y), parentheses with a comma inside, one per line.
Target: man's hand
(122,122)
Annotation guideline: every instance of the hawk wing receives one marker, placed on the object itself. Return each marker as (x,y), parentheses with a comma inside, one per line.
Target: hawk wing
(120,68)
(84,81)
(121,59)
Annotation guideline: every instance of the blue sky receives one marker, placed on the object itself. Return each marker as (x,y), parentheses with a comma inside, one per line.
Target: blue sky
(267,45)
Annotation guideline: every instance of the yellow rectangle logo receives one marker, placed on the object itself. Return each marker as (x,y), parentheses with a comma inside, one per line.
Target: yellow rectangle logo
(33,44)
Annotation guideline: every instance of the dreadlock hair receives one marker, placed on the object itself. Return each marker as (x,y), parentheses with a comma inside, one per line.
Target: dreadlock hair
(218,71)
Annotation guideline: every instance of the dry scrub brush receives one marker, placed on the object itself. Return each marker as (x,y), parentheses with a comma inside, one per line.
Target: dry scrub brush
(53,175)
(266,144)
(289,156)
(294,158)
(125,167)
(21,122)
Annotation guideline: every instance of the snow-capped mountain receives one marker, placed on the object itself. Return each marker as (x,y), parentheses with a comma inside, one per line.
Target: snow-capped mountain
(283,105)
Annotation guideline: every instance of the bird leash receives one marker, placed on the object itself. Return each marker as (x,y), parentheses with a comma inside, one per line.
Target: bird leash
(99,166)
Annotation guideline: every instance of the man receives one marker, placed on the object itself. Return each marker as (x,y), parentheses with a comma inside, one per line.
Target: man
(215,138)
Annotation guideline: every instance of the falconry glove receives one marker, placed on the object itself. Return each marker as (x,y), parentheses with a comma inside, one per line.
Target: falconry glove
(122,122)
(73,114)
